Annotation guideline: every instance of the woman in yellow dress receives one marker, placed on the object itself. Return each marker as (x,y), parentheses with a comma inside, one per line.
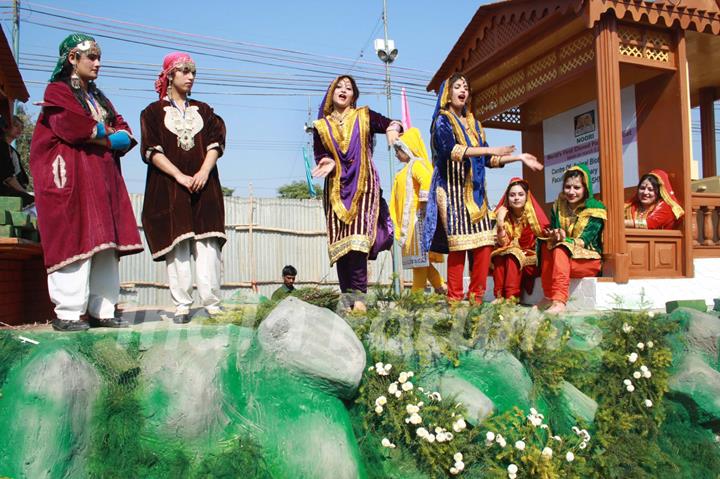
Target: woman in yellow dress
(407,208)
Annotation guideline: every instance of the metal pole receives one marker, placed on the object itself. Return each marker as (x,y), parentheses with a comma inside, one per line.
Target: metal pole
(397,265)
(16,43)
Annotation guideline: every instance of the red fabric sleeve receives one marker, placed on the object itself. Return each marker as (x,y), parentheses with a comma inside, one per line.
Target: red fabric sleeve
(661,218)
(65,116)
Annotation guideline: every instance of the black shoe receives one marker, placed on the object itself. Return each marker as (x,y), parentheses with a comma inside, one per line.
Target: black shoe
(181,318)
(107,322)
(67,326)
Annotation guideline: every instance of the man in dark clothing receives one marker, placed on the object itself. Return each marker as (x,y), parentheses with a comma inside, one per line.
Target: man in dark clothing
(288,273)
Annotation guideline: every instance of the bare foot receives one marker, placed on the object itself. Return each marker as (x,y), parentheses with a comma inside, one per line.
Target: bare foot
(359,307)
(498,300)
(544,304)
(556,308)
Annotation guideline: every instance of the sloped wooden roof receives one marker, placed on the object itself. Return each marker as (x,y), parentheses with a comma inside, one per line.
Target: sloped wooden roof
(11,82)
(495,27)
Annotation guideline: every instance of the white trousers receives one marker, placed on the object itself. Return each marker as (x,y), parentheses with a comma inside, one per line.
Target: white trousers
(91,285)
(208,266)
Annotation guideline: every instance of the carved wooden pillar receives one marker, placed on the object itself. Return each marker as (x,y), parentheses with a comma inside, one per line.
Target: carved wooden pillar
(616,261)
(707,131)
(694,225)
(708,230)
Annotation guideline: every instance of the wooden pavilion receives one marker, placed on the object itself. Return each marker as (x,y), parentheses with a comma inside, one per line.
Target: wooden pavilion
(623,75)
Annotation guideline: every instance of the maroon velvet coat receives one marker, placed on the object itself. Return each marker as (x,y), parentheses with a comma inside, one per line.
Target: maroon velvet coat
(82,203)
(171,213)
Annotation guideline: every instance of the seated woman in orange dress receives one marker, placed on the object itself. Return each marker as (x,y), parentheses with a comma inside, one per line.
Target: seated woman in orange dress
(654,206)
(520,221)
(573,248)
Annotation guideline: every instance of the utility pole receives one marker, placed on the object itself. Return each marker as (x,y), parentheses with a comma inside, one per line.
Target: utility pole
(16,42)
(387,55)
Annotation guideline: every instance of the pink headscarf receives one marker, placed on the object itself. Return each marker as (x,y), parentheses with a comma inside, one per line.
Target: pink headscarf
(170,62)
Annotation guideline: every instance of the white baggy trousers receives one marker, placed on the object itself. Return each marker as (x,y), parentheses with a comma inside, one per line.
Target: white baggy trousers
(91,285)
(208,266)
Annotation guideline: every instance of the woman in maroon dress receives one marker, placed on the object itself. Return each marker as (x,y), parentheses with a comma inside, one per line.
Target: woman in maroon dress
(84,214)
(183,213)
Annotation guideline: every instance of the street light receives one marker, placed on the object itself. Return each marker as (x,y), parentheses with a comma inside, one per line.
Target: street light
(386,52)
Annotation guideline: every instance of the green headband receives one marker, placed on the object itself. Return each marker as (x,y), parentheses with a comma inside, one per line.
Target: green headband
(75,41)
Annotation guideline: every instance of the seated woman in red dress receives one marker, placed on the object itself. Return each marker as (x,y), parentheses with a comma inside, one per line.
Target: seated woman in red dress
(573,248)
(654,206)
(520,221)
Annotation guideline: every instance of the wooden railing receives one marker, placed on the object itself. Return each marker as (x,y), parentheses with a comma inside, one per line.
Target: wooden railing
(706,225)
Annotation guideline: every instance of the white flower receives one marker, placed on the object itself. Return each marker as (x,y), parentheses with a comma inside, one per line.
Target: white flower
(641,346)
(403,377)
(412,409)
(410,374)
(441,437)
(576,429)
(392,389)
(407,386)
(421,389)
(533,411)
(648,403)
(459,465)
(650,344)
(632,357)
(547,452)
(449,436)
(520,445)
(381,401)
(415,419)
(454,471)
(569,457)
(627,328)
(583,445)
(458,456)
(501,440)
(398,394)
(371,368)
(637,374)
(630,388)
(430,438)
(651,314)
(627,382)
(421,432)
(379,366)
(643,368)
(379,409)
(490,436)
(512,469)
(435,396)
(459,425)
(512,476)
(500,317)
(647,374)
(388,367)
(557,438)
(386,443)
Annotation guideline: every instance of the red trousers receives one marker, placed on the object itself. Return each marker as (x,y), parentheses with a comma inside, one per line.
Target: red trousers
(557,269)
(478,273)
(509,276)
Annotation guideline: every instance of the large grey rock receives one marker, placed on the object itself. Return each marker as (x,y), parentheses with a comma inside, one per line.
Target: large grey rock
(703,333)
(478,405)
(315,342)
(52,416)
(698,386)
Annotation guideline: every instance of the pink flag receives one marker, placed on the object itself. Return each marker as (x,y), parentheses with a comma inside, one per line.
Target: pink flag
(405,110)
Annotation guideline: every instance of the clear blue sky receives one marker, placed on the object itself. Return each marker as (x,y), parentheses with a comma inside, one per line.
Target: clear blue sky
(264,105)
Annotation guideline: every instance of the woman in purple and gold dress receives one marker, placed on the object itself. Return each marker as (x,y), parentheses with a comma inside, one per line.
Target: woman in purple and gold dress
(358,220)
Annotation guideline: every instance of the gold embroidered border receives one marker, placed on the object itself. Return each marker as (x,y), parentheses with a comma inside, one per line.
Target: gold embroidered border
(345,215)
(518,253)
(677,210)
(472,241)
(578,252)
(340,248)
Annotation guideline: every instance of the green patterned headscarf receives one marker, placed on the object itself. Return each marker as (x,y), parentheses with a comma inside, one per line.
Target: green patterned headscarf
(75,41)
